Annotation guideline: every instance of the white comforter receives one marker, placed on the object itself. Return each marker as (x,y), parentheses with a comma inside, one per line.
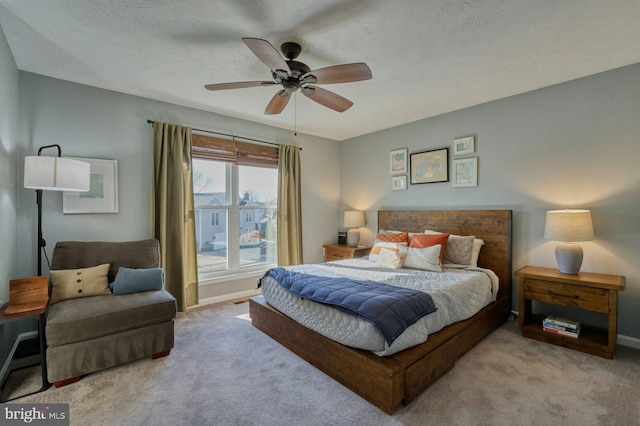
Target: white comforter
(457,293)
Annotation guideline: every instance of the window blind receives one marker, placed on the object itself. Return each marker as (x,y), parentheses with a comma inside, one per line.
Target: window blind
(242,153)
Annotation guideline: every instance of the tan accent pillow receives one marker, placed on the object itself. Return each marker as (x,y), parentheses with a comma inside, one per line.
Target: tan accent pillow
(83,282)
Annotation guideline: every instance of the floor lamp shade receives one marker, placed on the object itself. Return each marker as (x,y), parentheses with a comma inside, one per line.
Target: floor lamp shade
(353,219)
(570,227)
(56,174)
(53,174)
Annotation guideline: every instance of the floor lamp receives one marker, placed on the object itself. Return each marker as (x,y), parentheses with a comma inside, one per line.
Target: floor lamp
(53,174)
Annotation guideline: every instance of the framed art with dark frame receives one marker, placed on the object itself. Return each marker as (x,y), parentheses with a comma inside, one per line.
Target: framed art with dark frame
(103,190)
(430,166)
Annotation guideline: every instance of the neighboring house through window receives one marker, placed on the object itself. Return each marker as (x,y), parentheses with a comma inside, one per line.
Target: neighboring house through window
(235,188)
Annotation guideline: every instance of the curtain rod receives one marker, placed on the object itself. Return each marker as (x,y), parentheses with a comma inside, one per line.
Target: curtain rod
(232,136)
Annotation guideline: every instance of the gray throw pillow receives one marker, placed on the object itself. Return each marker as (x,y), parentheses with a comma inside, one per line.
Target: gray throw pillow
(458,250)
(131,280)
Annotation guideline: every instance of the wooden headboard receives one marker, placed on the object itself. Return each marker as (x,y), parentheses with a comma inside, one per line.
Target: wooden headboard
(492,226)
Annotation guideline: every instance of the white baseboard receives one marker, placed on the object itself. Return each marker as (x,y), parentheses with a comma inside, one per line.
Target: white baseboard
(628,341)
(7,366)
(228,297)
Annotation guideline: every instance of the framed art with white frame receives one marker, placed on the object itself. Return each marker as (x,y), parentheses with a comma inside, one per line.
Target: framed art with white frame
(103,190)
(398,161)
(399,183)
(462,146)
(465,172)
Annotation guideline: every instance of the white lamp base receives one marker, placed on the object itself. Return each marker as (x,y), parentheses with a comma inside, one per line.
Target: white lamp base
(569,257)
(353,237)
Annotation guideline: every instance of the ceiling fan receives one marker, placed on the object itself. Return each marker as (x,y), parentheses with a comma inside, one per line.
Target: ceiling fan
(294,75)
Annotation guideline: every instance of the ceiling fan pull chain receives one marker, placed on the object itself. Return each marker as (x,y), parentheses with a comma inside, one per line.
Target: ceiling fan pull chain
(295,114)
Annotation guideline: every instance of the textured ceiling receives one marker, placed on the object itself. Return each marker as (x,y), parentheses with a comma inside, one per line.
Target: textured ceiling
(427,57)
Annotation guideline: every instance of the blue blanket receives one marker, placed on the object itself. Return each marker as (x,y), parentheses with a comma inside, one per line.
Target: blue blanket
(391,309)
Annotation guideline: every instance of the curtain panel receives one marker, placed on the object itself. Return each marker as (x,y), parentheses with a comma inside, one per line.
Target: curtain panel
(172,215)
(289,221)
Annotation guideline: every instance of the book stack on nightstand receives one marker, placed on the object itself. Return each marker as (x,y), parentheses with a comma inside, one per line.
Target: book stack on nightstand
(559,325)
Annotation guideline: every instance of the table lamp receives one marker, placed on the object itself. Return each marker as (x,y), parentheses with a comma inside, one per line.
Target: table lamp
(353,219)
(53,174)
(569,226)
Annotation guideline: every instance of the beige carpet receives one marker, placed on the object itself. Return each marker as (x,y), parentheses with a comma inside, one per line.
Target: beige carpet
(222,371)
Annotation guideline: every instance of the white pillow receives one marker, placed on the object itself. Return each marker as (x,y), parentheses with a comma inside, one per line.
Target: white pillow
(391,259)
(477,245)
(379,245)
(475,251)
(427,258)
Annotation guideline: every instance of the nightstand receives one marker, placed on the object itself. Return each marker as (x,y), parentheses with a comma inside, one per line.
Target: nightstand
(343,251)
(585,290)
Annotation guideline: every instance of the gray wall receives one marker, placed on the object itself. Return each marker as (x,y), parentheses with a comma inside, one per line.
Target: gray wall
(573,145)
(95,123)
(9,103)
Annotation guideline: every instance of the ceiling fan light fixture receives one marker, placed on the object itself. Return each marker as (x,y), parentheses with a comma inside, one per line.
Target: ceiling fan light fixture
(280,75)
(309,79)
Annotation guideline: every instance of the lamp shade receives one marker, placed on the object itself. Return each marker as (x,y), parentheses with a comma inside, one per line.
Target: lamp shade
(56,174)
(353,219)
(568,225)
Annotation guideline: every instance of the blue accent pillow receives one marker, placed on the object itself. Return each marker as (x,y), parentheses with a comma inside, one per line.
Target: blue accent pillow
(131,280)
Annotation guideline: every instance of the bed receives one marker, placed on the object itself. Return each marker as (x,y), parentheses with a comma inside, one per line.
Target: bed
(396,379)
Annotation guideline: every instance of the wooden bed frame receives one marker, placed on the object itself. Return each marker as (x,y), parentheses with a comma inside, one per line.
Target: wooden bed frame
(388,382)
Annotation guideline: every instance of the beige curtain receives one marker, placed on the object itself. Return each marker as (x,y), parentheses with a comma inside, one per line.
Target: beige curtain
(289,206)
(172,216)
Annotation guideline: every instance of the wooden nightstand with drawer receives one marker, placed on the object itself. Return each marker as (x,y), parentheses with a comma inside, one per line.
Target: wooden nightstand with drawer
(343,251)
(585,290)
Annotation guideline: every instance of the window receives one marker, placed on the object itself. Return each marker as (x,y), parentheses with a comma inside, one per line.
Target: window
(232,194)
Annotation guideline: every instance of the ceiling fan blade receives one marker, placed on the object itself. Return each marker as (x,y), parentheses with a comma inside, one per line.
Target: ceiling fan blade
(238,85)
(327,98)
(267,54)
(340,73)
(278,102)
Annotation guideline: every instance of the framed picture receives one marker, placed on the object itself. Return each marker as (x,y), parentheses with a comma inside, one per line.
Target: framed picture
(465,172)
(103,190)
(398,183)
(430,166)
(398,161)
(463,146)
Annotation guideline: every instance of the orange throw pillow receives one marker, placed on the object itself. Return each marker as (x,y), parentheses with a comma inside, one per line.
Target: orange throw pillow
(402,237)
(426,240)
